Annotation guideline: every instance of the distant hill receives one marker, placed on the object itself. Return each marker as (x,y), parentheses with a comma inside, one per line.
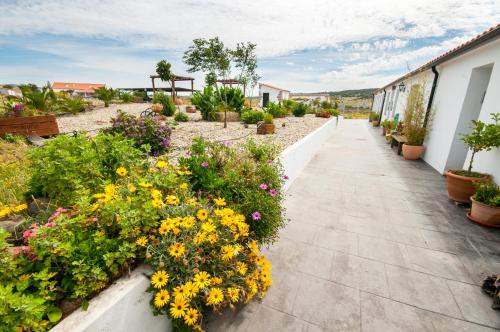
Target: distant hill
(360,93)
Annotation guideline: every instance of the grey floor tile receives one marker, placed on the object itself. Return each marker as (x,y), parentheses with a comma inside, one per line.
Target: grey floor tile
(270,320)
(328,305)
(383,251)
(421,290)
(282,294)
(438,263)
(299,230)
(338,240)
(475,306)
(314,260)
(360,273)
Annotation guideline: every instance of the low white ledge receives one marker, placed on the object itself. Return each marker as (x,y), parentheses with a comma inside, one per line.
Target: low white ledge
(297,156)
(124,306)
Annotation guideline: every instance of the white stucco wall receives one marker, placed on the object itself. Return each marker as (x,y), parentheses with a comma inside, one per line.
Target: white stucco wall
(449,100)
(274,94)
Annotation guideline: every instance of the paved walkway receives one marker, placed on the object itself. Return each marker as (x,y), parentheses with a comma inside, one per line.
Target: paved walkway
(373,244)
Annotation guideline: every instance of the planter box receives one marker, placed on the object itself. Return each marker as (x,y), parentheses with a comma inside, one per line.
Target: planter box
(231,117)
(190,109)
(44,125)
(265,128)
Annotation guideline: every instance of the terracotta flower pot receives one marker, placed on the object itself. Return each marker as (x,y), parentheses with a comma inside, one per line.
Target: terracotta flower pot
(461,188)
(157,108)
(265,128)
(384,131)
(484,214)
(190,109)
(412,152)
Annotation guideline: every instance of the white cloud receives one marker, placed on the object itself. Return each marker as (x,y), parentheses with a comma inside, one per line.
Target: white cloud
(380,29)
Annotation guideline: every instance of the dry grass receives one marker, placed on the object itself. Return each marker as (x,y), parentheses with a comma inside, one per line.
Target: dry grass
(355,115)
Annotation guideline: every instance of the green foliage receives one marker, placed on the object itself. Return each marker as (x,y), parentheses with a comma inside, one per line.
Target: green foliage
(232,97)
(483,137)
(326,105)
(333,111)
(148,133)
(14,170)
(276,110)
(251,116)
(487,193)
(66,167)
(389,125)
(106,95)
(268,118)
(163,69)
(166,101)
(237,176)
(245,59)
(207,102)
(288,105)
(415,128)
(39,99)
(374,116)
(300,109)
(74,105)
(209,56)
(126,97)
(181,117)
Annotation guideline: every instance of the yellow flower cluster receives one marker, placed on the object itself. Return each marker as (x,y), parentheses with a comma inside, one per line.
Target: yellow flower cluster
(16,209)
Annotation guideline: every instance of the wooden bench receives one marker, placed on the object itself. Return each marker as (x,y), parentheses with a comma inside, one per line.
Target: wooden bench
(398,140)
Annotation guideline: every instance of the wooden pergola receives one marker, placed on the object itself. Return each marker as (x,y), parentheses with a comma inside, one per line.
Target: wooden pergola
(230,82)
(173,90)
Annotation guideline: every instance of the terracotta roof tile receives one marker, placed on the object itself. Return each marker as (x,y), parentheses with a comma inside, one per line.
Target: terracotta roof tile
(78,87)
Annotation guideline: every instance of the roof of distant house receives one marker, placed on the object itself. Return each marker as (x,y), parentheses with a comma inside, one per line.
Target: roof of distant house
(273,87)
(78,87)
(482,38)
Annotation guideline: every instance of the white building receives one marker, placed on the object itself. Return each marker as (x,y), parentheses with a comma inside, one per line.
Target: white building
(319,96)
(269,93)
(461,85)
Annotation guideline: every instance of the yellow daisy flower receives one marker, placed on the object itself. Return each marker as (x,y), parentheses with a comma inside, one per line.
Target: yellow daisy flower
(145,184)
(183,186)
(161,298)
(191,316)
(202,214)
(176,250)
(121,171)
(178,307)
(159,279)
(20,208)
(142,241)
(215,296)
(241,268)
(216,281)
(172,200)
(202,279)
(220,201)
(227,252)
(191,289)
(132,188)
(180,291)
(162,164)
(234,294)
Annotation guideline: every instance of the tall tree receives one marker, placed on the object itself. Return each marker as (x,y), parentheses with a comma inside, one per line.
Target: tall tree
(245,60)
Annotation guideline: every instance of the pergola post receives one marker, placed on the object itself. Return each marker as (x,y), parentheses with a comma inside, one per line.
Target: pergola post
(192,87)
(173,89)
(153,82)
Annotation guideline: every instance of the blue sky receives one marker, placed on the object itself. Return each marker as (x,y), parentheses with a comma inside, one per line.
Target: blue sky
(318,45)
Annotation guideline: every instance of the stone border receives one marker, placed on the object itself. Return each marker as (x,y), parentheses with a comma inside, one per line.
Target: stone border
(124,306)
(295,157)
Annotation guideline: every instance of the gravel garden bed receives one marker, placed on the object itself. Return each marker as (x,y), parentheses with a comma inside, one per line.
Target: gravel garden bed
(288,130)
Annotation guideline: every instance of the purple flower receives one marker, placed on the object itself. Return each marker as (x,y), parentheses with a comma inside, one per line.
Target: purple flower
(273,192)
(286,177)
(226,143)
(256,215)
(204,164)
(269,161)
(263,186)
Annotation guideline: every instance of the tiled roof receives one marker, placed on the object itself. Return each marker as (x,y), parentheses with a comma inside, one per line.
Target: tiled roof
(78,87)
(273,87)
(478,40)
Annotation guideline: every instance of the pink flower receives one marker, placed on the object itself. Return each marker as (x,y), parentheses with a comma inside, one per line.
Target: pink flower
(269,161)
(21,249)
(204,164)
(50,224)
(263,186)
(273,192)
(256,215)
(286,177)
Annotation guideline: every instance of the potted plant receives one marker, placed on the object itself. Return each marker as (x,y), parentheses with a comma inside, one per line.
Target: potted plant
(387,126)
(415,124)
(485,209)
(483,137)
(323,114)
(375,119)
(267,126)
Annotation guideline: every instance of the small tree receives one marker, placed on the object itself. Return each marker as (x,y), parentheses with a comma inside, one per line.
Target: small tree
(483,137)
(105,94)
(39,99)
(415,125)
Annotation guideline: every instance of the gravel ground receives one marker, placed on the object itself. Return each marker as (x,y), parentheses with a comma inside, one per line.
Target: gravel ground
(183,133)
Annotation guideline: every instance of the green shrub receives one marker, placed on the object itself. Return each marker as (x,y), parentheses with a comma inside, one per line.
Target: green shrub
(105,94)
(250,179)
(300,109)
(167,103)
(268,118)
(206,102)
(15,171)
(276,110)
(181,117)
(250,116)
(126,97)
(487,193)
(332,111)
(43,99)
(326,105)
(148,133)
(66,167)
(288,105)
(74,105)
(232,97)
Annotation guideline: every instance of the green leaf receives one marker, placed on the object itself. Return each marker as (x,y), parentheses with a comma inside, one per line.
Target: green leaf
(54,314)
(85,305)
